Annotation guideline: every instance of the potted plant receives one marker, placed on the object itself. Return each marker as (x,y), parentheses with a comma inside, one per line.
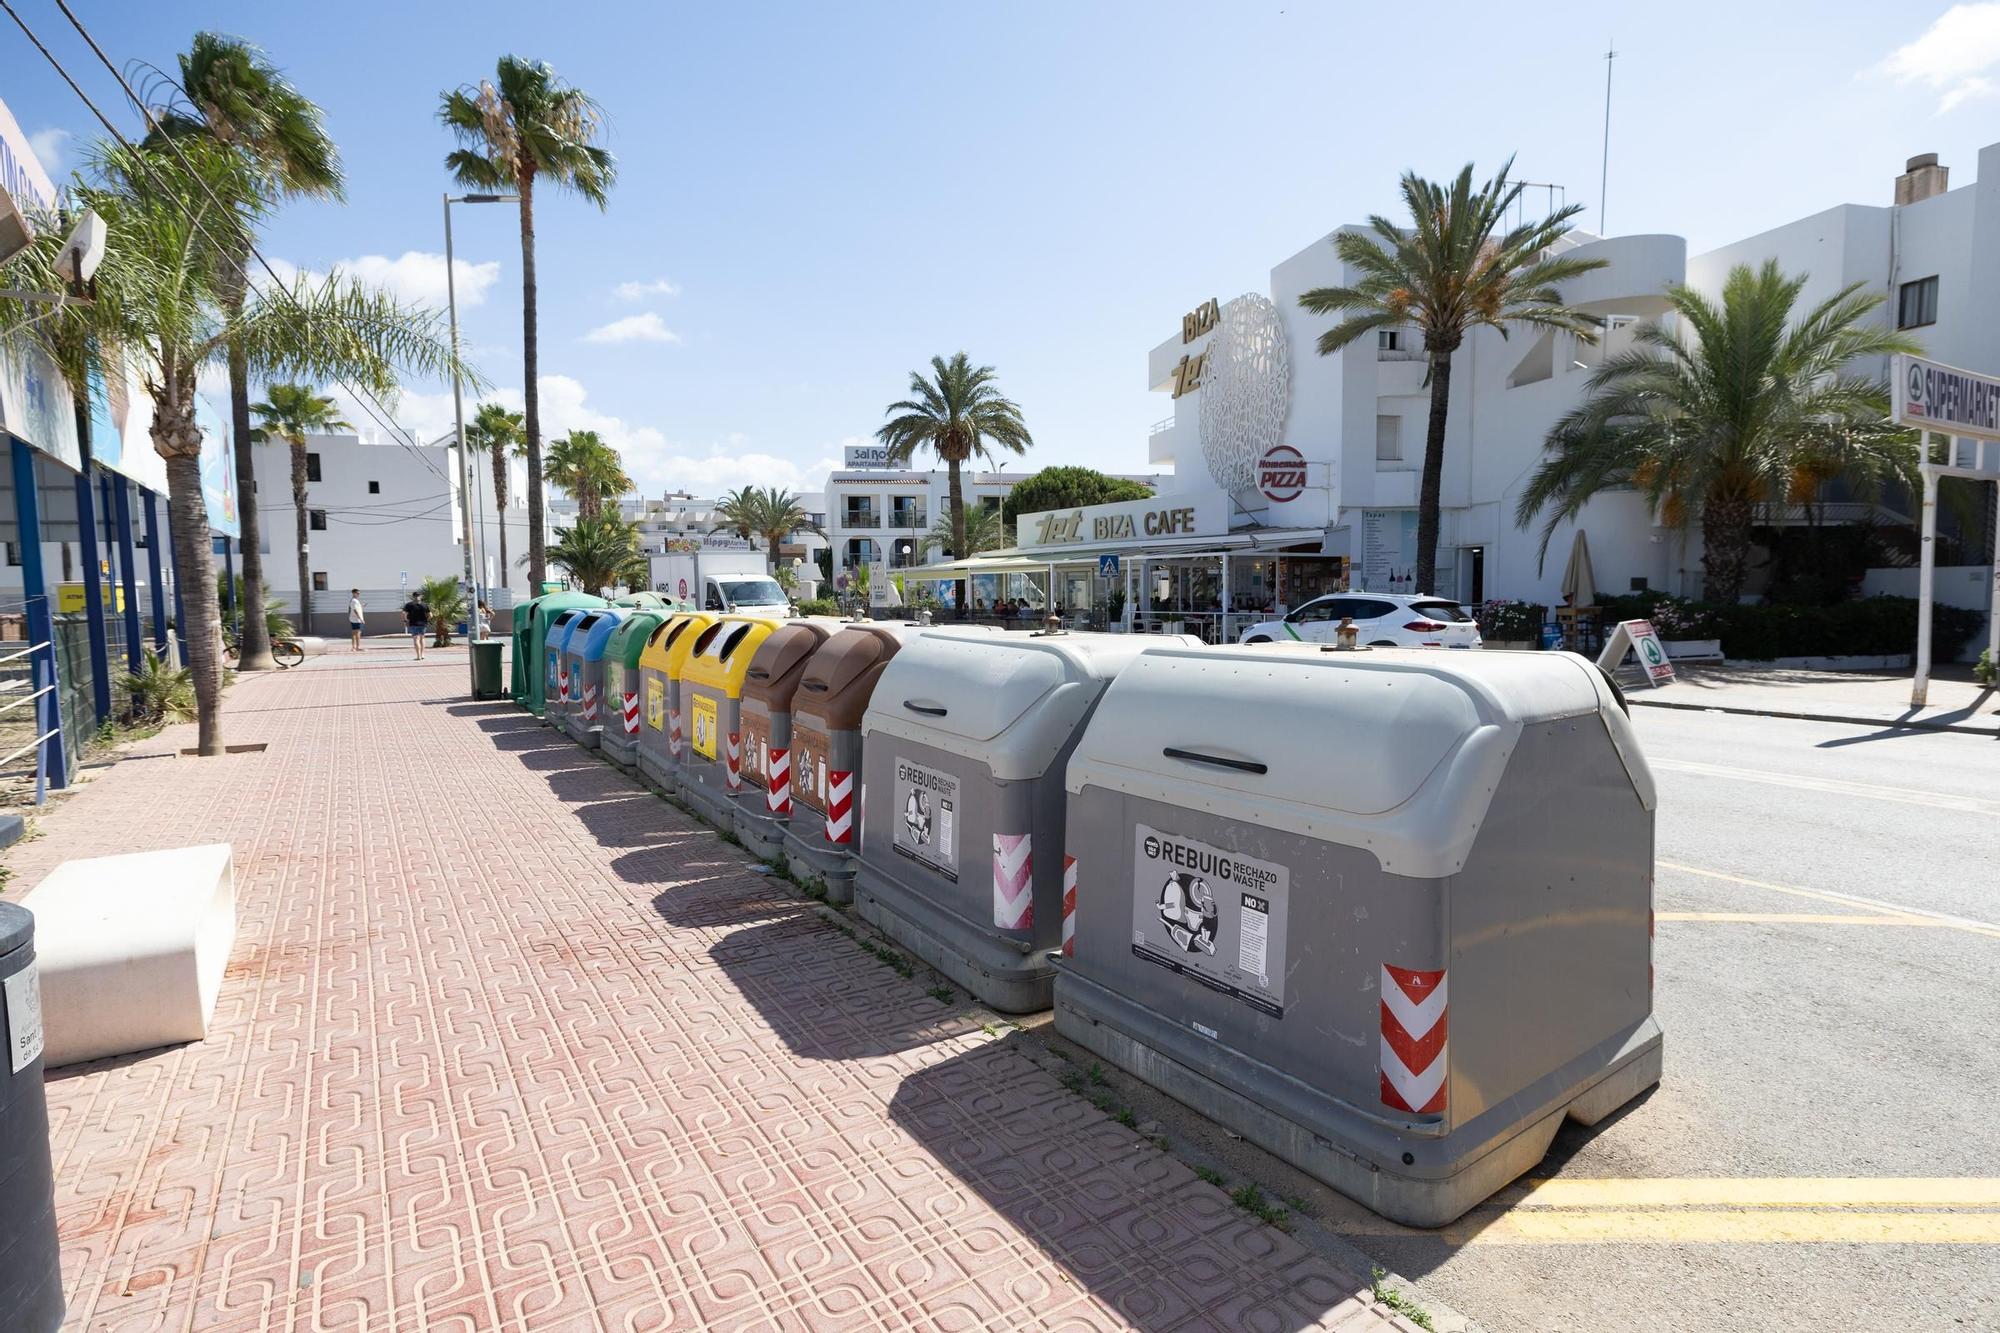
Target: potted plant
(1505,623)
(1686,629)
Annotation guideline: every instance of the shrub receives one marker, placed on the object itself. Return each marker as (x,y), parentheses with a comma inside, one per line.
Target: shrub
(1509,620)
(819,606)
(1986,671)
(159,691)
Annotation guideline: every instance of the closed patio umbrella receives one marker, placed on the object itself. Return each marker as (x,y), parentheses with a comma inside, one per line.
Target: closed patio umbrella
(1579,585)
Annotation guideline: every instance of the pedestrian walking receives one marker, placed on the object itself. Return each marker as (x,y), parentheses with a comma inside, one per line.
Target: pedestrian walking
(485,621)
(356,619)
(417,620)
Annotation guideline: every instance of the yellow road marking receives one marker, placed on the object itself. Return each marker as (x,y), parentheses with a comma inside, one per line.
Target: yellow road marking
(1764,1191)
(1845,899)
(1798,918)
(1709,1227)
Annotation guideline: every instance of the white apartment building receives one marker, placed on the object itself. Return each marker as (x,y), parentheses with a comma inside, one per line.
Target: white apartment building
(1278,449)
(381,518)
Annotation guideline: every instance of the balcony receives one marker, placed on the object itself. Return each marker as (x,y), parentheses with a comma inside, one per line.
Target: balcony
(1162,442)
(909,519)
(860,518)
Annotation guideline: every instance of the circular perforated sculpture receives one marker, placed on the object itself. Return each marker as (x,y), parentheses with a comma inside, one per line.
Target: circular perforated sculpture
(1245,388)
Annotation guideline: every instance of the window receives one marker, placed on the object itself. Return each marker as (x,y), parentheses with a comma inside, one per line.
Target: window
(1368,609)
(1329,608)
(312,467)
(1449,612)
(13,553)
(374,488)
(1916,304)
(990,503)
(1388,439)
(1388,340)
(316,519)
(1638,585)
(319,580)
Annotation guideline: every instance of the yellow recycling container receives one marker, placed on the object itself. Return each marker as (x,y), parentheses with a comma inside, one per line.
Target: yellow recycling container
(711,773)
(662,738)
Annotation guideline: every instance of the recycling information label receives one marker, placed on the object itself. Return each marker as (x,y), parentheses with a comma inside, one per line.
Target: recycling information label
(757,746)
(24,1018)
(927,811)
(656,703)
(810,750)
(1210,914)
(702,725)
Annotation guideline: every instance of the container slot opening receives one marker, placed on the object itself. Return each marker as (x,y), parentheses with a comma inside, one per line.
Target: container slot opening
(1220,761)
(729,646)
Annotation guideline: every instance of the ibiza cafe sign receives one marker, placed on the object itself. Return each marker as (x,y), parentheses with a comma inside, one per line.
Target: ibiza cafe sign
(1131,521)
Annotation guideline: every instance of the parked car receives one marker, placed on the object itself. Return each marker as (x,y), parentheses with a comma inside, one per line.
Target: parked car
(1384,619)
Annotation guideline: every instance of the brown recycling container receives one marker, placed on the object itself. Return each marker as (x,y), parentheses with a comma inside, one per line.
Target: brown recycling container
(775,672)
(833,694)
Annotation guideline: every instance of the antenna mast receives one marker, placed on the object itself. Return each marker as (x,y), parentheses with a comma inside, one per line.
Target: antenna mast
(1604,176)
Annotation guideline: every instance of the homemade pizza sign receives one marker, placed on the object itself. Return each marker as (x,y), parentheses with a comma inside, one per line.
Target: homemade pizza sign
(1642,639)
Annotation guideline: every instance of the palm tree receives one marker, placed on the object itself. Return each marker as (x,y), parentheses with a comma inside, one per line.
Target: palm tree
(527,125)
(600,552)
(238,99)
(498,433)
(739,511)
(985,530)
(163,300)
(445,596)
(1447,274)
(1740,404)
(958,415)
(769,512)
(589,469)
(290,412)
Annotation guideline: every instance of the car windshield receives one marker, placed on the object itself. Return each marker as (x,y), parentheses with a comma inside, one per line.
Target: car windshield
(1447,611)
(753,592)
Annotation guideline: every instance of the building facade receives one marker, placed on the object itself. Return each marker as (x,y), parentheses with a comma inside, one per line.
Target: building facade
(1276,447)
(381,518)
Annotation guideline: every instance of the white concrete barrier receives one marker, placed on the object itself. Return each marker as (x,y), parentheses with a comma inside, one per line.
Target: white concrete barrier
(132,949)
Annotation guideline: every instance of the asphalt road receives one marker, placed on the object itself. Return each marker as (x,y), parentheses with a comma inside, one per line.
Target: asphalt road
(1824,1151)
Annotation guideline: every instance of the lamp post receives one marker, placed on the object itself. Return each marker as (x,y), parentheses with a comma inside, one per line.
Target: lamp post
(472,580)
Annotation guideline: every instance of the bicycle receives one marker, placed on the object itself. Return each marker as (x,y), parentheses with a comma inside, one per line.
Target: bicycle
(287,653)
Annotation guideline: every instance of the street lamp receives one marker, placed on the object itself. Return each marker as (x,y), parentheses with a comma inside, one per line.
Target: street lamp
(458,413)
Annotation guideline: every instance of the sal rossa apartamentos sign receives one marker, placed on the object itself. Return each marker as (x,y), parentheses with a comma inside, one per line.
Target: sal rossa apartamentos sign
(1128,522)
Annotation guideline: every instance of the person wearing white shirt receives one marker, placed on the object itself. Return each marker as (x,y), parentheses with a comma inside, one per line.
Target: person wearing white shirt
(356,620)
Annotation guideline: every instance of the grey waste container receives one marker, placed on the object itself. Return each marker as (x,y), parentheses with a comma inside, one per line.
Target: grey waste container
(765,807)
(583,654)
(662,740)
(964,745)
(556,687)
(31,1296)
(1293,870)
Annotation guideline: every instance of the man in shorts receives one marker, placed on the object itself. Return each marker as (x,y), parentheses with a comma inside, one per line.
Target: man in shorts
(417,620)
(356,619)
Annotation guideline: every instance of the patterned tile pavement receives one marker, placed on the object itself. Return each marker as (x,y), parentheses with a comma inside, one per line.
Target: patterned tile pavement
(509,1044)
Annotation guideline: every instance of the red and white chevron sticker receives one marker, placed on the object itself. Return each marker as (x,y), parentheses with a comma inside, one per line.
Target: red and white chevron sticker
(839,807)
(674,732)
(1013,881)
(631,713)
(589,702)
(735,761)
(1413,1027)
(1069,907)
(562,682)
(778,796)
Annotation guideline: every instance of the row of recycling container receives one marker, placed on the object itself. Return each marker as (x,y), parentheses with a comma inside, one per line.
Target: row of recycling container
(1386,913)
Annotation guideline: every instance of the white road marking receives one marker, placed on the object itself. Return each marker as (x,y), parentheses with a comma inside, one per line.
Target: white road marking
(1853,900)
(1972,805)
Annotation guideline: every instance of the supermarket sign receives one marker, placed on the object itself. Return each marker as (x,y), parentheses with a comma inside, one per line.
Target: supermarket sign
(1930,396)
(1639,638)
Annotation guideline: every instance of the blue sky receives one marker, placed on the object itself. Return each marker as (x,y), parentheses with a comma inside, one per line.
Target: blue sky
(814,199)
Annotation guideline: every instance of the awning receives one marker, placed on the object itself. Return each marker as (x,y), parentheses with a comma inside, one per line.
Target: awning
(1013,560)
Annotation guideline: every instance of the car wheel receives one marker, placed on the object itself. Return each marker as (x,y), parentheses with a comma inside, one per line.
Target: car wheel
(1385,643)
(1258,638)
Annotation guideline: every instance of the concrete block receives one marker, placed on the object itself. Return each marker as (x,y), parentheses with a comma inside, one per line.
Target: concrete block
(132,949)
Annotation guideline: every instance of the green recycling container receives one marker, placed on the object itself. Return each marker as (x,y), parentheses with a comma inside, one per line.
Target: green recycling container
(487,677)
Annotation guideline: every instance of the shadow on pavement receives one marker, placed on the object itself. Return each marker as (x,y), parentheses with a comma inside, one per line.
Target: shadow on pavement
(825,998)
(1131,1224)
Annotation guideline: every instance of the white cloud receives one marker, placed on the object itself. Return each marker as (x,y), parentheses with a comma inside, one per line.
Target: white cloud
(414,277)
(633,328)
(639,291)
(49,147)
(1952,55)
(656,464)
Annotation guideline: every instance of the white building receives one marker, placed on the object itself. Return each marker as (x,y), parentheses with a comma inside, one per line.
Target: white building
(381,518)
(1277,449)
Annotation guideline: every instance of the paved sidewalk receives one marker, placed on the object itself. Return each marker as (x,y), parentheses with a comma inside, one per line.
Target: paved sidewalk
(1955,702)
(508,1043)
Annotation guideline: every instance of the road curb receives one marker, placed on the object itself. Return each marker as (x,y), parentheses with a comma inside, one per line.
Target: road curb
(1886,724)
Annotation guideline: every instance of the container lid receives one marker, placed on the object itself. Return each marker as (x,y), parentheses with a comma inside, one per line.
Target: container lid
(629,639)
(592,634)
(17,927)
(672,633)
(552,604)
(562,626)
(839,677)
(1395,751)
(1011,702)
(780,663)
(721,655)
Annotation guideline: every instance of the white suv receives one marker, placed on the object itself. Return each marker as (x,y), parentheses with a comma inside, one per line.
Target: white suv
(1384,619)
